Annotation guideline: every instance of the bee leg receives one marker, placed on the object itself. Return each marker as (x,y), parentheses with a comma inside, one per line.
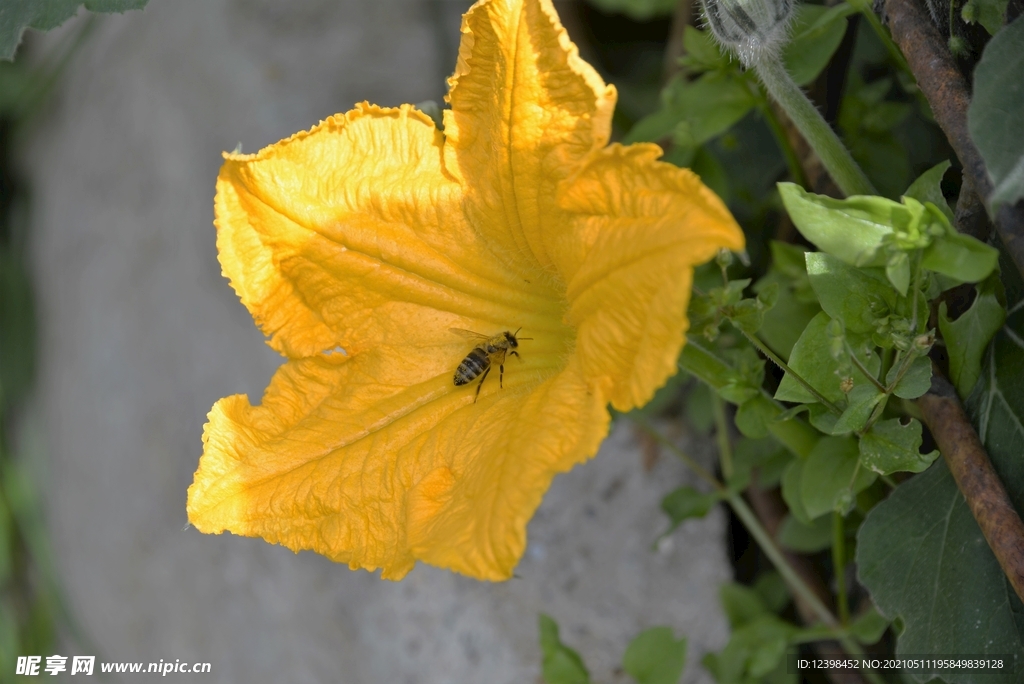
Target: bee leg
(481,384)
(501,375)
(516,354)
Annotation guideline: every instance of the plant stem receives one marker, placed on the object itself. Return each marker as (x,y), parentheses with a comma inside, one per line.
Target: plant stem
(864,7)
(722,437)
(819,135)
(760,535)
(764,540)
(839,567)
(756,341)
(796,171)
(697,468)
(864,371)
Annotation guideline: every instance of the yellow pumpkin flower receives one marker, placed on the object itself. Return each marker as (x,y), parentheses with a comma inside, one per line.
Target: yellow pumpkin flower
(359,245)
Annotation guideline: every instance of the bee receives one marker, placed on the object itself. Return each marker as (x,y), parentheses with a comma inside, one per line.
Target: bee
(488,349)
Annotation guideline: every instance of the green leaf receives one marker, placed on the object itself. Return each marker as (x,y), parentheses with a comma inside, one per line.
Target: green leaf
(928,188)
(996,110)
(812,359)
(655,657)
(891,447)
(773,590)
(922,557)
(862,401)
(754,652)
(742,604)
(869,627)
(702,52)
(639,10)
(792,477)
(767,456)
(915,381)
(852,229)
(897,270)
(868,122)
(968,336)
(816,34)
(802,538)
(796,304)
(855,296)
(988,13)
(921,554)
(700,408)
(752,418)
(960,256)
(832,476)
(693,112)
(560,664)
(685,503)
(17,15)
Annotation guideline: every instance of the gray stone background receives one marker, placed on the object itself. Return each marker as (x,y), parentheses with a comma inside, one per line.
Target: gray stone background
(140,335)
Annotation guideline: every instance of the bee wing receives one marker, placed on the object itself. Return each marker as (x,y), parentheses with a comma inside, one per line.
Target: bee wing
(469,334)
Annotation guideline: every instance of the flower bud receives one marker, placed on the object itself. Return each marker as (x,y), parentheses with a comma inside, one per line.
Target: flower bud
(754,30)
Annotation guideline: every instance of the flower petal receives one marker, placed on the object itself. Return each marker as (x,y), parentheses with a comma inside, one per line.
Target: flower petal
(353,234)
(639,227)
(525,111)
(344,458)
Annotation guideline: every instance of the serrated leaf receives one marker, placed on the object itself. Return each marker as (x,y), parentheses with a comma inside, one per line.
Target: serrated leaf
(803,538)
(655,657)
(968,336)
(891,447)
(812,359)
(960,256)
(852,229)
(17,15)
(832,476)
(996,110)
(855,296)
(915,381)
(816,34)
(922,556)
(869,627)
(560,664)
(928,188)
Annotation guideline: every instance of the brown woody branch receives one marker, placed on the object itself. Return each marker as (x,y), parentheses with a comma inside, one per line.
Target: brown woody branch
(976,478)
(949,95)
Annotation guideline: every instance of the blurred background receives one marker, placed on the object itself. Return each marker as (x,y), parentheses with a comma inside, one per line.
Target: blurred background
(119,333)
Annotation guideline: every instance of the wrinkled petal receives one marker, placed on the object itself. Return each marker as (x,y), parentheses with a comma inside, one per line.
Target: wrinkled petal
(347,458)
(357,245)
(353,234)
(639,227)
(525,111)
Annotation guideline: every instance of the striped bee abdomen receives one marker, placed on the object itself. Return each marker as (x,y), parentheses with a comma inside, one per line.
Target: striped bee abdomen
(475,363)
